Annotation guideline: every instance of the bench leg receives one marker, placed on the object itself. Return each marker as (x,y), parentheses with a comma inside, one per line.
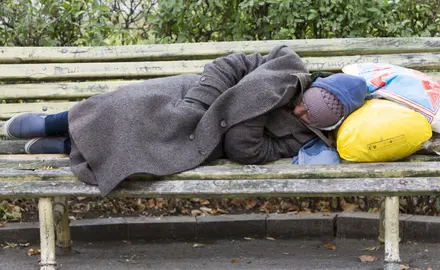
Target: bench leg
(47,234)
(62,222)
(382,222)
(392,258)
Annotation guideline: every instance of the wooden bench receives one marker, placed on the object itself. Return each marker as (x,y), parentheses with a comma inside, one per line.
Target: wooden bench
(53,79)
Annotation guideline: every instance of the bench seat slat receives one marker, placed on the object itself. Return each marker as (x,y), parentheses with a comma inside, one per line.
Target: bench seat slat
(316,47)
(71,90)
(75,71)
(431,148)
(33,162)
(230,188)
(30,162)
(274,171)
(12,146)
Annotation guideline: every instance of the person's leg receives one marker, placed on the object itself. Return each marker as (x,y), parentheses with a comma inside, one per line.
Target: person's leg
(48,145)
(34,125)
(57,124)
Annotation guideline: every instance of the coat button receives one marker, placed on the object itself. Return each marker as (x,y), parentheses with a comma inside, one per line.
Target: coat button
(203,79)
(191,137)
(223,123)
(201,151)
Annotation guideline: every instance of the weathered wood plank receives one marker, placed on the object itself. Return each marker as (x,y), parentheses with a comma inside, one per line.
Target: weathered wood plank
(429,151)
(125,70)
(230,188)
(120,70)
(9,110)
(391,223)
(73,90)
(308,47)
(66,90)
(32,162)
(12,147)
(47,234)
(275,171)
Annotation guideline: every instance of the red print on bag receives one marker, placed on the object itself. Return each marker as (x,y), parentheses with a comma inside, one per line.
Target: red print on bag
(433,91)
(378,81)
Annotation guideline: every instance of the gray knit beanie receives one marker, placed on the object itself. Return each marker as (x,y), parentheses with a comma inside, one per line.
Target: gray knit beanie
(324,109)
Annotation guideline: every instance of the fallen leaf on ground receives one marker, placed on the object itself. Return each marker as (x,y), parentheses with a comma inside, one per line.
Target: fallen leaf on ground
(196,212)
(330,247)
(304,212)
(367,258)
(10,245)
(372,248)
(205,202)
(206,210)
(140,206)
(196,245)
(404,267)
(349,207)
(222,211)
(235,261)
(24,245)
(248,238)
(270,238)
(33,252)
(2,224)
(250,203)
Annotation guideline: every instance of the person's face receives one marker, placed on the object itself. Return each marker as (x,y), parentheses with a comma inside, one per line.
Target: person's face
(302,112)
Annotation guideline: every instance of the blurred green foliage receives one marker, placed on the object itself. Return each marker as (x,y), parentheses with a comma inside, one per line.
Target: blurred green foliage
(121,22)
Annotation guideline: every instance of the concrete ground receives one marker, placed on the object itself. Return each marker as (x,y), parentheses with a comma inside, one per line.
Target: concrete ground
(226,254)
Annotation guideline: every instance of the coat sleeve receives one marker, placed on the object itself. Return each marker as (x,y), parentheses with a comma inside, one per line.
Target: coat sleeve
(225,72)
(249,143)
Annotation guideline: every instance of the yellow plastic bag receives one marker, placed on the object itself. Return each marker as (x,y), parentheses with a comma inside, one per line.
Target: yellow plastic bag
(381,130)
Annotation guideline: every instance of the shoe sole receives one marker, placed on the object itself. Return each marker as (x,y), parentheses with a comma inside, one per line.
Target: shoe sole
(6,127)
(28,145)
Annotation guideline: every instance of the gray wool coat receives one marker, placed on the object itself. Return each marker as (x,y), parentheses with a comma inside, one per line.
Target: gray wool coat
(238,108)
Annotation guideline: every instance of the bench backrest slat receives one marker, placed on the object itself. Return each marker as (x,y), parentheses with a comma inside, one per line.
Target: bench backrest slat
(62,90)
(130,70)
(318,47)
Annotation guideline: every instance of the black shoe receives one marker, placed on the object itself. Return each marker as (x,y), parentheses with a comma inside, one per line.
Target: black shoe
(47,145)
(26,126)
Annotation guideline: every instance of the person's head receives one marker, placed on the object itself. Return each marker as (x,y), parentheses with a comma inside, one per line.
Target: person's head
(330,100)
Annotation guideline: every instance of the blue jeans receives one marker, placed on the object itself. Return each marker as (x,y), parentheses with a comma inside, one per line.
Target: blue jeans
(58,125)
